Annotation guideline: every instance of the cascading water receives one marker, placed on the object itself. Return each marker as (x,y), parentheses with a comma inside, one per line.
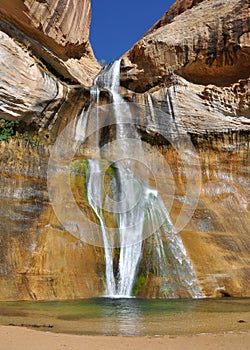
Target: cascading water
(95,197)
(129,217)
(136,206)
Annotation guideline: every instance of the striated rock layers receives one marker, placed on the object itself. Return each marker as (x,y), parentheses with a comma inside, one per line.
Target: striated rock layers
(56,31)
(207,44)
(202,58)
(44,48)
(176,9)
(193,66)
(47,66)
(26,89)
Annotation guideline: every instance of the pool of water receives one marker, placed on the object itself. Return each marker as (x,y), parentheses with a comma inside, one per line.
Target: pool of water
(130,317)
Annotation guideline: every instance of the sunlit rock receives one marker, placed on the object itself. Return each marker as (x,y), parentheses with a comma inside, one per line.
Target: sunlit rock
(190,75)
(207,44)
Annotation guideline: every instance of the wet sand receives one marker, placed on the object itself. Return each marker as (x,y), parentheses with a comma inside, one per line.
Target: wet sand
(15,338)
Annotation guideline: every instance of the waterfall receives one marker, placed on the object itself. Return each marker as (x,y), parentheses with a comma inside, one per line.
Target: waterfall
(95,197)
(136,206)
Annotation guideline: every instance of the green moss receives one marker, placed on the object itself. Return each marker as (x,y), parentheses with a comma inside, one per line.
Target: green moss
(79,171)
(79,167)
(110,170)
(139,284)
(79,174)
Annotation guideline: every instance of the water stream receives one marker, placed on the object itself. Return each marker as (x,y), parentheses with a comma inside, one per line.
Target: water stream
(136,207)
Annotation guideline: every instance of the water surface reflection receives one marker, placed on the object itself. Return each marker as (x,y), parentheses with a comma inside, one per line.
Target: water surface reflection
(122,316)
(130,317)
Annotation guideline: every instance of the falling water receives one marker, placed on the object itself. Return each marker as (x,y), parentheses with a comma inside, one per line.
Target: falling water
(130,217)
(95,198)
(136,206)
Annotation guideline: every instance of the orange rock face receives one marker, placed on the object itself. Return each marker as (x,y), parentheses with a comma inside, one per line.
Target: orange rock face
(193,66)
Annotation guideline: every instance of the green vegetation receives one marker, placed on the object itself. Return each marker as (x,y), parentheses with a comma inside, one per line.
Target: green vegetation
(80,167)
(79,171)
(8,129)
(140,282)
(12,129)
(110,170)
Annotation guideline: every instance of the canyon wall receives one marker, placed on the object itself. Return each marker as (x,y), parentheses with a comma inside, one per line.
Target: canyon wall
(44,51)
(193,66)
(47,67)
(207,44)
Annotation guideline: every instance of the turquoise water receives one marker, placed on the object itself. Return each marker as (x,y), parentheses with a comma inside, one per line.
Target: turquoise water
(130,317)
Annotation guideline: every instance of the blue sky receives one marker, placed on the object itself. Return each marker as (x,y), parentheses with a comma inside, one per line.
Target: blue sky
(117,25)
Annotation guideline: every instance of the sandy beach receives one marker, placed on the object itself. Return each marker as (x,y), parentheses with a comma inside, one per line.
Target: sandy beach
(15,338)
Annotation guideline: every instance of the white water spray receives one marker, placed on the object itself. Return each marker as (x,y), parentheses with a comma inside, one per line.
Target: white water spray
(136,206)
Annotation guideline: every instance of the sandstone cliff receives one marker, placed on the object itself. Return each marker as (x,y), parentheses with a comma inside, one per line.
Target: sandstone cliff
(44,47)
(176,9)
(47,66)
(56,32)
(193,66)
(203,55)
(207,44)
